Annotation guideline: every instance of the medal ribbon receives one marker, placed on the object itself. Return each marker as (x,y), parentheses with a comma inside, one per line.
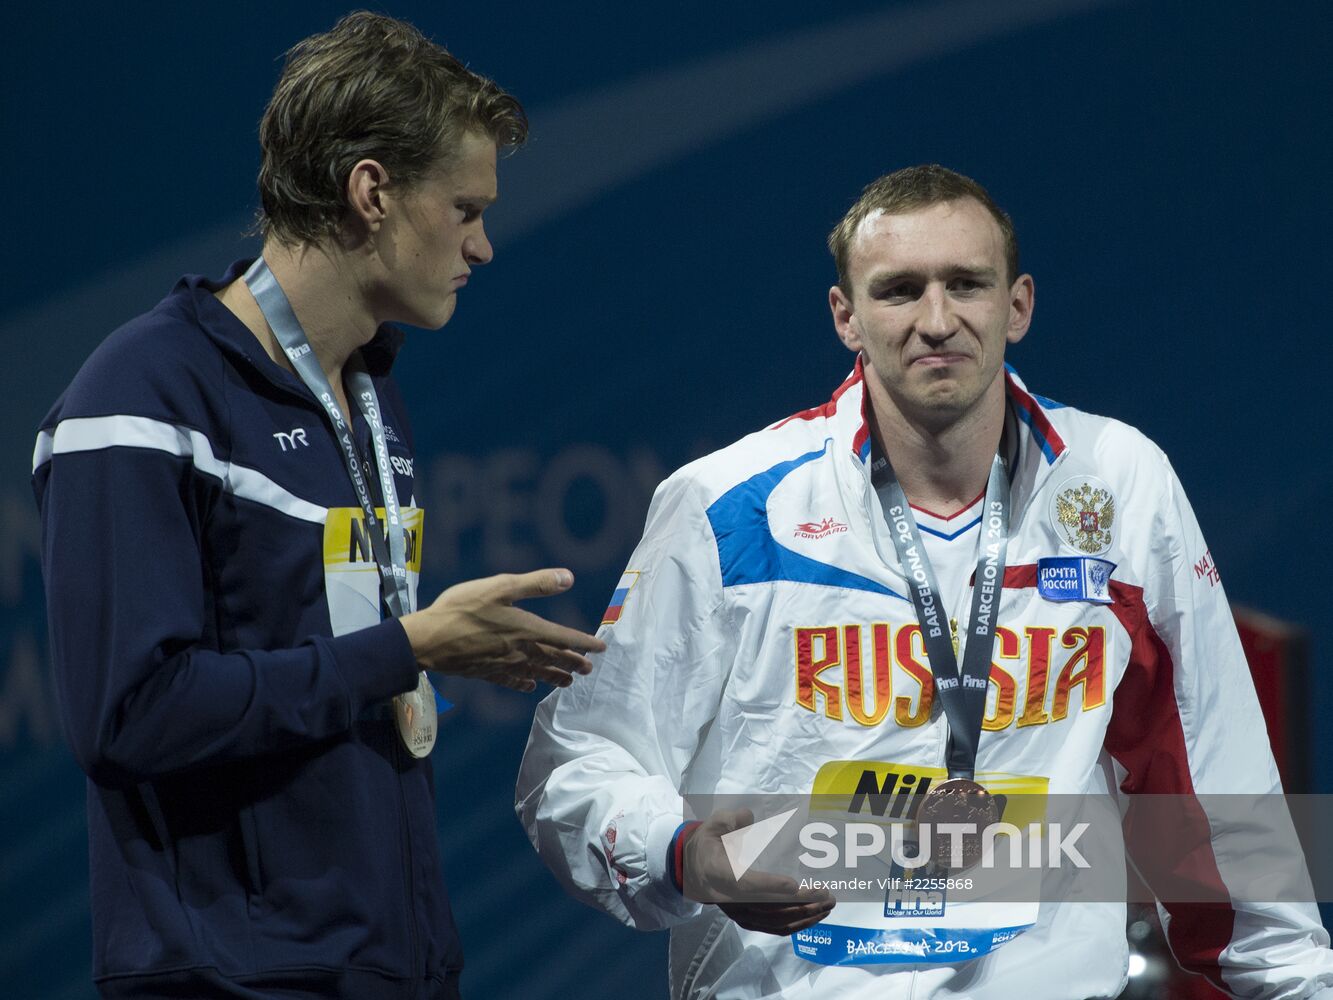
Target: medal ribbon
(391,553)
(962,692)
(286,328)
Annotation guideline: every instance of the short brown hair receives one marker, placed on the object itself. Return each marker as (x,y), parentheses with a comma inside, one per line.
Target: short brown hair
(910,189)
(371,88)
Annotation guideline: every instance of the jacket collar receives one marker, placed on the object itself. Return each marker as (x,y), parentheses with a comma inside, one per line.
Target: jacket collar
(848,415)
(194,293)
(1032,412)
(1041,447)
(845,413)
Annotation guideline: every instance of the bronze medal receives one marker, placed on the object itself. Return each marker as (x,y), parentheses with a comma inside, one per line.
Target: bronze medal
(957,800)
(416,716)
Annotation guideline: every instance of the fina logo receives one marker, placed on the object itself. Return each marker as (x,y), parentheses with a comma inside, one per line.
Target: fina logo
(903,900)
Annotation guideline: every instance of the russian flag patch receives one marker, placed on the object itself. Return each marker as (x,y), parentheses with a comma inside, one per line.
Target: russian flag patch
(618,599)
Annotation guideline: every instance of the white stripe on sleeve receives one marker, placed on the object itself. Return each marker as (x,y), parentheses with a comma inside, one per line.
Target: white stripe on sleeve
(121,431)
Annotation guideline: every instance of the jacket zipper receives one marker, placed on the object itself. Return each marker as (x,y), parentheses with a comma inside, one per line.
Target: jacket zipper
(405,825)
(869,508)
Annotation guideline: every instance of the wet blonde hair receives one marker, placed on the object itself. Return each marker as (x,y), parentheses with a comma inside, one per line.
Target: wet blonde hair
(372,87)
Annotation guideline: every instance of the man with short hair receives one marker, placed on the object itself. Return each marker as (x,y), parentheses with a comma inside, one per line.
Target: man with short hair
(936,595)
(231,547)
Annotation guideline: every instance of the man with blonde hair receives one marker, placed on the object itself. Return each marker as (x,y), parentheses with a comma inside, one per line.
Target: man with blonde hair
(929,603)
(231,547)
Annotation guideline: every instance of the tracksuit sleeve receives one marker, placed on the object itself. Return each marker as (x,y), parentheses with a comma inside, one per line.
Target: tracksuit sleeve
(131,597)
(1196,732)
(599,787)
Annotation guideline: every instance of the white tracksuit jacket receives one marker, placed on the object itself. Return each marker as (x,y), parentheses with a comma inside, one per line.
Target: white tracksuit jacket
(712,684)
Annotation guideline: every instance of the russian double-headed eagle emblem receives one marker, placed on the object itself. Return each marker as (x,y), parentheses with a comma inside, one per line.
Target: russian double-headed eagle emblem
(1085,514)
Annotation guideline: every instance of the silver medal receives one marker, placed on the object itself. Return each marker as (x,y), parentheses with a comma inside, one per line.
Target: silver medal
(414,711)
(416,716)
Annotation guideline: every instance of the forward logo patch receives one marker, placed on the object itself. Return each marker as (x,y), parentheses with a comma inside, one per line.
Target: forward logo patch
(820,529)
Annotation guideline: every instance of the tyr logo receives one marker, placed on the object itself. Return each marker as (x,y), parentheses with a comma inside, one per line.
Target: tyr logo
(292,439)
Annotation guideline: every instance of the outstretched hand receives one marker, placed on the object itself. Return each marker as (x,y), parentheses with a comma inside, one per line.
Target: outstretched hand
(758,901)
(473,630)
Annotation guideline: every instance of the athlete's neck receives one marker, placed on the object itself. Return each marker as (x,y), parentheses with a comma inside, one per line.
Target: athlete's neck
(325,293)
(941,466)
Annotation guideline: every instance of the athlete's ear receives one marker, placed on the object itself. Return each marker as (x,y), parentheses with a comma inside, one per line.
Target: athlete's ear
(1022,299)
(849,332)
(367,186)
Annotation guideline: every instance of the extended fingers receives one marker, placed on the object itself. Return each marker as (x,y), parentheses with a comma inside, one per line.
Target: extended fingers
(779,890)
(790,911)
(531,662)
(511,587)
(551,675)
(776,918)
(523,624)
(564,637)
(758,884)
(524,685)
(566,659)
(548,663)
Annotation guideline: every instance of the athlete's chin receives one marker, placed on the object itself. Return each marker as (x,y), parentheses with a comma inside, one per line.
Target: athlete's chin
(942,403)
(943,394)
(945,390)
(437,314)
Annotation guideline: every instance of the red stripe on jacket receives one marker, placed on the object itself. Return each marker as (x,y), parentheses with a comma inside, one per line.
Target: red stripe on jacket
(1147,739)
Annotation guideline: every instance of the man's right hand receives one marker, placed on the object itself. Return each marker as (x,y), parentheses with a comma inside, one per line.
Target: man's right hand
(759,901)
(474,630)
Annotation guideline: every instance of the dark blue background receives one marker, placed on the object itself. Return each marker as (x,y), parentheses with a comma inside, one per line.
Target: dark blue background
(659,289)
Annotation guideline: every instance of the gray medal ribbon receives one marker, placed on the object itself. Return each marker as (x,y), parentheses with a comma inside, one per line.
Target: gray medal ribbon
(416,724)
(286,328)
(962,692)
